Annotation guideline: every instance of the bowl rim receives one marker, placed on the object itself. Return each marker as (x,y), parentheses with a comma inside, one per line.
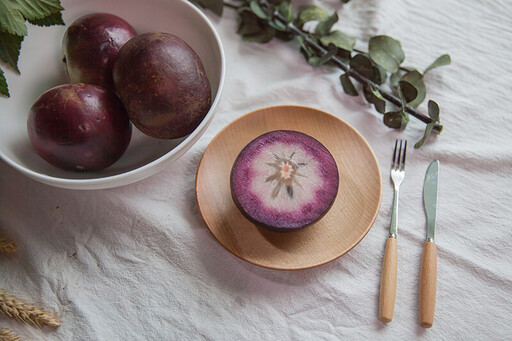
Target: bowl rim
(141,172)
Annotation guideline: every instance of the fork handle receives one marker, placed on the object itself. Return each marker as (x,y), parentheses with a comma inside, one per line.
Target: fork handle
(388,281)
(428,283)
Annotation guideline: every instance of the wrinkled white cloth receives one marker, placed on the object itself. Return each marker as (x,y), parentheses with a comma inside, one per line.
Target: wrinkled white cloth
(137,262)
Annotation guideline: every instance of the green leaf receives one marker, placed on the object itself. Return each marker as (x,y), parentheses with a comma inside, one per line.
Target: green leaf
(216,6)
(324,26)
(347,85)
(38,9)
(395,78)
(307,51)
(428,131)
(441,61)
(386,52)
(433,110)
(339,39)
(362,65)
(11,19)
(374,97)
(4,89)
(252,29)
(379,74)
(310,13)
(256,9)
(396,119)
(286,10)
(414,80)
(10,45)
(52,19)
(325,58)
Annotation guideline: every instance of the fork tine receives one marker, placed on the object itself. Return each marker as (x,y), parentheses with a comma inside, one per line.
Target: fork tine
(405,153)
(398,163)
(394,155)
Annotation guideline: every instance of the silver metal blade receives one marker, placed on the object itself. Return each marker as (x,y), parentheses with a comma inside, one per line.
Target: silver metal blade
(430,197)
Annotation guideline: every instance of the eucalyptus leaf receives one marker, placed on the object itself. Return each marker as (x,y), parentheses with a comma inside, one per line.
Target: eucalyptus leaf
(379,74)
(4,90)
(325,58)
(248,23)
(395,119)
(216,6)
(38,9)
(52,19)
(256,9)
(428,131)
(395,78)
(324,26)
(286,10)
(409,92)
(339,39)
(362,65)
(386,52)
(441,61)
(264,36)
(433,110)
(310,13)
(307,51)
(415,79)
(374,97)
(278,25)
(10,46)
(11,19)
(348,86)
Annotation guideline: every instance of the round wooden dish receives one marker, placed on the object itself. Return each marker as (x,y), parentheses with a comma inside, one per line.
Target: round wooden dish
(347,222)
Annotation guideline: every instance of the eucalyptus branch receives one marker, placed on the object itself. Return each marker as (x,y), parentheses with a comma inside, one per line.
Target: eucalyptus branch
(357,76)
(262,20)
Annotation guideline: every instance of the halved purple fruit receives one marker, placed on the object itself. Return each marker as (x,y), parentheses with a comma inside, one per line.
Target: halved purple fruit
(284,180)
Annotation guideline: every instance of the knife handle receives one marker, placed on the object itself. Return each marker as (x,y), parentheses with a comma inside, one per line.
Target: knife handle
(388,281)
(428,283)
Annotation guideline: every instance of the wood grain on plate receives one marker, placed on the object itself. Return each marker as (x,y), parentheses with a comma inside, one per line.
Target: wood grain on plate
(347,222)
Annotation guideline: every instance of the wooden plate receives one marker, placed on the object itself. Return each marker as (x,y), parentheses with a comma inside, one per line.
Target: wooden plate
(347,222)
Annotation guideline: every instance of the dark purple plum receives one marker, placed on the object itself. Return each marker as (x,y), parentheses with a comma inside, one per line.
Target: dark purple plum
(284,180)
(79,127)
(90,47)
(162,84)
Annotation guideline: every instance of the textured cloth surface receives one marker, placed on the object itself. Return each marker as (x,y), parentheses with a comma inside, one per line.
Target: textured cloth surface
(137,262)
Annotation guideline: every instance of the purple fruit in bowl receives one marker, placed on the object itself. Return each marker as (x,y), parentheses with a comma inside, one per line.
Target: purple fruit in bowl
(90,47)
(162,84)
(79,127)
(284,180)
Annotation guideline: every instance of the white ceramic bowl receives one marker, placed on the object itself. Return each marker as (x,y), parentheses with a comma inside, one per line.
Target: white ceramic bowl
(41,69)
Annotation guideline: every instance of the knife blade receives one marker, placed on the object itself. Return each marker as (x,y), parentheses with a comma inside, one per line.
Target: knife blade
(428,275)
(430,198)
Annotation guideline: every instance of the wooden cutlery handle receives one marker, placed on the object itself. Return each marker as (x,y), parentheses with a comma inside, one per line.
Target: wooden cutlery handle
(388,282)
(428,283)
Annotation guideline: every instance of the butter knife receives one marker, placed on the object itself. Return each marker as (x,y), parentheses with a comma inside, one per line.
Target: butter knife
(428,275)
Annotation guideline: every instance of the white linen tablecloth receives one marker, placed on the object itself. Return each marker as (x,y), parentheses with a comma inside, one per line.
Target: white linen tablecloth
(138,263)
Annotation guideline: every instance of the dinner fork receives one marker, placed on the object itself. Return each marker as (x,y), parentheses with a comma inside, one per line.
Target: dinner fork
(389,264)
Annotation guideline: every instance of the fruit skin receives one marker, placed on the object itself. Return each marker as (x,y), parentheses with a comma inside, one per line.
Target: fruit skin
(90,47)
(253,207)
(162,84)
(79,127)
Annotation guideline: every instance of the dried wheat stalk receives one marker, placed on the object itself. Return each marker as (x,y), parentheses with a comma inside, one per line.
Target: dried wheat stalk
(7,246)
(8,335)
(28,313)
